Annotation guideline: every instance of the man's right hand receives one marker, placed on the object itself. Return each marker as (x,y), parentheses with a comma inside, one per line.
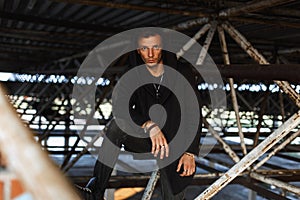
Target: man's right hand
(159,143)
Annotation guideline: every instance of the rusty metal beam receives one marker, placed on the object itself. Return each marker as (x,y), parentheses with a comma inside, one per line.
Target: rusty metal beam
(276,172)
(260,71)
(281,22)
(260,118)
(281,102)
(255,175)
(282,174)
(288,51)
(151,185)
(193,40)
(252,7)
(246,45)
(275,11)
(268,173)
(260,190)
(217,149)
(191,23)
(66,165)
(20,149)
(277,149)
(277,183)
(225,146)
(207,43)
(236,71)
(289,157)
(141,181)
(251,157)
(232,89)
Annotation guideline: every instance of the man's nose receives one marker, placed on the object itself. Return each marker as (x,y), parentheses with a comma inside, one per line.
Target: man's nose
(150,52)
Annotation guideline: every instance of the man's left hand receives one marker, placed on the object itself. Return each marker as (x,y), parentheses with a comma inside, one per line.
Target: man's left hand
(188,164)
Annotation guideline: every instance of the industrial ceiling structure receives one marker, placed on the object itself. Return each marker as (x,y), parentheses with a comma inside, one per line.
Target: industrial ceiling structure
(254,44)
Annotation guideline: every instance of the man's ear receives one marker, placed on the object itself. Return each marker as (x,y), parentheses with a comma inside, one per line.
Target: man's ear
(138,51)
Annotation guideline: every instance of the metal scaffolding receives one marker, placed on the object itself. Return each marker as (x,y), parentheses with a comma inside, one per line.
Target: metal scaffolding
(269,118)
(242,168)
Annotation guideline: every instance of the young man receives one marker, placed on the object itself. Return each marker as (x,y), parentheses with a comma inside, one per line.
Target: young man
(154,134)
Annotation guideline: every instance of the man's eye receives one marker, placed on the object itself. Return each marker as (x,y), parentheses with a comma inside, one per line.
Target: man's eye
(156,47)
(143,48)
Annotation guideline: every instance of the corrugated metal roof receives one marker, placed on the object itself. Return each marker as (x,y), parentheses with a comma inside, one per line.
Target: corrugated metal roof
(37,32)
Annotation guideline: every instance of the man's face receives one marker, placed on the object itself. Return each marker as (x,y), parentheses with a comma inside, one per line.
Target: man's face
(150,49)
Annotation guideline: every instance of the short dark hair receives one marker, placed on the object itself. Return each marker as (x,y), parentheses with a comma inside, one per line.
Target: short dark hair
(148,33)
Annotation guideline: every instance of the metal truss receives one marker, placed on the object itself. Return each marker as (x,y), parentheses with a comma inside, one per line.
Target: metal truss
(50,105)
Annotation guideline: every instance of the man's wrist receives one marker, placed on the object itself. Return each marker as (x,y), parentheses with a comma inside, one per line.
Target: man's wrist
(190,154)
(147,126)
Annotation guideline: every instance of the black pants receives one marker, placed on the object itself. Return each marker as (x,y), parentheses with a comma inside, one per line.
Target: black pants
(109,154)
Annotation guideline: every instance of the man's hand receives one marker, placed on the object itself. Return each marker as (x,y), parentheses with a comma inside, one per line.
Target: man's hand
(159,143)
(188,163)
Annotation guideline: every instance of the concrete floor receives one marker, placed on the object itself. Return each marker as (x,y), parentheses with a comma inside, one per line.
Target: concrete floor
(84,167)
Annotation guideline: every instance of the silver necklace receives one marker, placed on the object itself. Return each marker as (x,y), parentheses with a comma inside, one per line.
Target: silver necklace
(158,87)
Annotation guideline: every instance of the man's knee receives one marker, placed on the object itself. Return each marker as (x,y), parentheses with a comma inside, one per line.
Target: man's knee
(113,132)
